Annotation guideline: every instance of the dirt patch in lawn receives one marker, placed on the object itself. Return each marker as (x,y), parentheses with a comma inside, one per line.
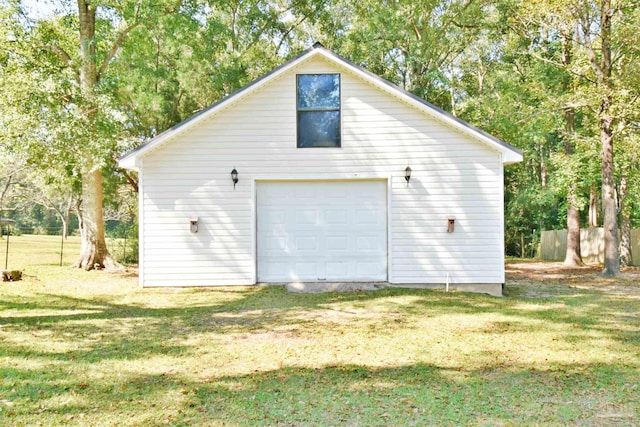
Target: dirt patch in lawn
(541,279)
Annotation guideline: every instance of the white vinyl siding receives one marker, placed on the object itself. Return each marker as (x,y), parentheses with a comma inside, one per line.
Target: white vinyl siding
(452,175)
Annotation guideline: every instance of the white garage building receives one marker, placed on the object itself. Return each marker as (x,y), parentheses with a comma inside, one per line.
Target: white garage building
(340,176)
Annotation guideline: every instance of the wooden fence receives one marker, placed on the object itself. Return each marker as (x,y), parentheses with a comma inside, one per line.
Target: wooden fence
(553,245)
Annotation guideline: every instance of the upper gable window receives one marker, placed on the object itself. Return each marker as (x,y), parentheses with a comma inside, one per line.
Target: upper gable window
(318,110)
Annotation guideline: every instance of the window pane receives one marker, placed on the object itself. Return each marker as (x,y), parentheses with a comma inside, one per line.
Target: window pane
(318,91)
(319,129)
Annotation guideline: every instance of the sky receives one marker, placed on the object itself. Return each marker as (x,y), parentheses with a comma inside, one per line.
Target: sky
(38,9)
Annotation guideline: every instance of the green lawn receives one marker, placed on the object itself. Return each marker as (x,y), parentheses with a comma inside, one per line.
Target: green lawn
(33,251)
(91,348)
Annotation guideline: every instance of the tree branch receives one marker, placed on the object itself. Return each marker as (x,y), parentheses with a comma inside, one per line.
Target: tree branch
(4,191)
(115,48)
(286,34)
(460,25)
(60,53)
(123,36)
(130,179)
(416,31)
(591,54)
(559,65)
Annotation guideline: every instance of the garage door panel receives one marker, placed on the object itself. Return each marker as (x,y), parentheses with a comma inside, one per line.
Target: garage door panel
(337,243)
(369,244)
(274,216)
(317,231)
(275,244)
(276,268)
(305,269)
(336,216)
(367,216)
(368,268)
(336,270)
(304,193)
(308,244)
(307,217)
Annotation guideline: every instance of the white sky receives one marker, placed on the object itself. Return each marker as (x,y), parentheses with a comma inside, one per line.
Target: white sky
(38,9)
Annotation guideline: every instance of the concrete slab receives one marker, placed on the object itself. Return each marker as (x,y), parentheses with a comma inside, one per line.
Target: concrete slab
(494,289)
(315,288)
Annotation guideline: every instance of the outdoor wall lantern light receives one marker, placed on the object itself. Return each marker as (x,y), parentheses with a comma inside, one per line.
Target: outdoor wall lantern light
(451,224)
(193,224)
(407,174)
(234,177)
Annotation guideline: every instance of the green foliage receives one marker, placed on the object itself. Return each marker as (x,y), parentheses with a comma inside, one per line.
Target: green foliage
(124,237)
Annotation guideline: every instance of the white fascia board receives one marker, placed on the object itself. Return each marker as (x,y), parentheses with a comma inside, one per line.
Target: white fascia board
(509,158)
(129,162)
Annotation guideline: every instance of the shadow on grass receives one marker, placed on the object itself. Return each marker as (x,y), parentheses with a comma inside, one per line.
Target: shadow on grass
(38,381)
(127,331)
(417,394)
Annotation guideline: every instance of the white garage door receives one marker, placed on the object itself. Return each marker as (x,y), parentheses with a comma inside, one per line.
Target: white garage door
(322,231)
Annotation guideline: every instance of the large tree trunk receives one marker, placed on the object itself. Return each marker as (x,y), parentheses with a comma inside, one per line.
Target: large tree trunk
(610,216)
(602,66)
(573,258)
(94,252)
(610,221)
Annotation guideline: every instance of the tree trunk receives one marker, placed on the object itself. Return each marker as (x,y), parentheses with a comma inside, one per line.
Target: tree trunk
(610,221)
(7,184)
(593,209)
(610,216)
(65,217)
(625,223)
(573,258)
(543,170)
(94,253)
(65,228)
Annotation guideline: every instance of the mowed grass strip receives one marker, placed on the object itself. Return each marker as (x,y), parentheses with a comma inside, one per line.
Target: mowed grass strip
(91,348)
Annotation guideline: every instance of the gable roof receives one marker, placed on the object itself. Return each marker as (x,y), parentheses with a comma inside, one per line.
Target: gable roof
(509,153)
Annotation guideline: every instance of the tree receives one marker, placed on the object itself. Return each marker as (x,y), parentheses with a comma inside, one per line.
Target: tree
(70,119)
(413,44)
(603,49)
(603,69)
(11,176)
(628,169)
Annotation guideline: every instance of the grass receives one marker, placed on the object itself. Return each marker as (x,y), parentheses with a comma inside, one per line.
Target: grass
(35,251)
(91,348)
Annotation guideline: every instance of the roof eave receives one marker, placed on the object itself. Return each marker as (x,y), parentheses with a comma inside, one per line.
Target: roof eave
(128,161)
(511,157)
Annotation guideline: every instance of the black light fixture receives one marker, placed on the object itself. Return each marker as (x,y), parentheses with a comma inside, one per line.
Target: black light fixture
(234,177)
(407,174)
